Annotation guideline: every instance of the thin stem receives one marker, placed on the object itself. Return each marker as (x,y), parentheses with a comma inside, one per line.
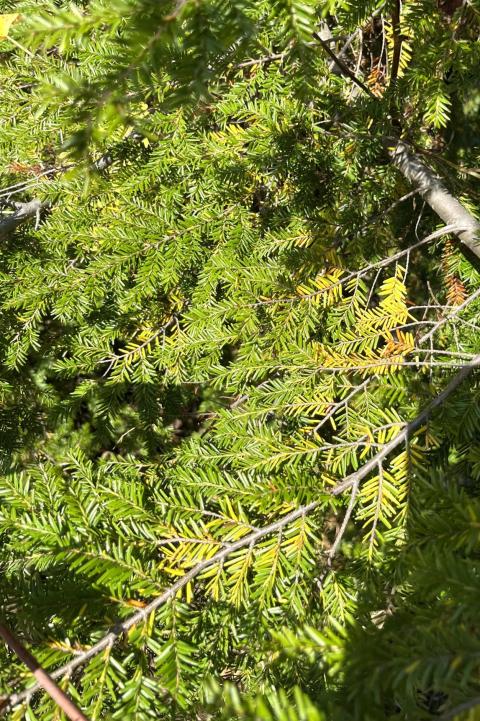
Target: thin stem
(343,67)
(465,706)
(122,627)
(451,315)
(340,404)
(397,43)
(44,680)
(339,537)
(454,228)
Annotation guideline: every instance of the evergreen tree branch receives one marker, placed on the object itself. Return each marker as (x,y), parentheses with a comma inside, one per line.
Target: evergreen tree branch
(442,202)
(453,228)
(32,208)
(262,61)
(409,428)
(221,206)
(123,627)
(351,482)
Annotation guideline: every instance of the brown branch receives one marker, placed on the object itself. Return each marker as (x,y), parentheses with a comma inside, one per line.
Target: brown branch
(343,66)
(44,680)
(397,43)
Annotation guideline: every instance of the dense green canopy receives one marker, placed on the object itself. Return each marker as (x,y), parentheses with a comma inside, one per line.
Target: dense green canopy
(240,417)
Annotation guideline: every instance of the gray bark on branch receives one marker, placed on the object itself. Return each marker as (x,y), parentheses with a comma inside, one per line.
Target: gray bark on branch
(24,211)
(32,208)
(432,190)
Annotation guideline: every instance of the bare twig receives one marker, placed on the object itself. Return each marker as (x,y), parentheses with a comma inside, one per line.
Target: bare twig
(346,44)
(339,537)
(327,37)
(443,203)
(340,404)
(359,57)
(343,67)
(273,57)
(262,61)
(453,228)
(25,184)
(44,680)
(382,365)
(450,316)
(465,706)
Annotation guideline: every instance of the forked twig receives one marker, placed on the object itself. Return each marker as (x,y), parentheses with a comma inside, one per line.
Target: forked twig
(339,537)
(451,315)
(343,66)
(409,428)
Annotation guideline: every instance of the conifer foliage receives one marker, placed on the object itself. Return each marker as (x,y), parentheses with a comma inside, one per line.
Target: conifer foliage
(240,412)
